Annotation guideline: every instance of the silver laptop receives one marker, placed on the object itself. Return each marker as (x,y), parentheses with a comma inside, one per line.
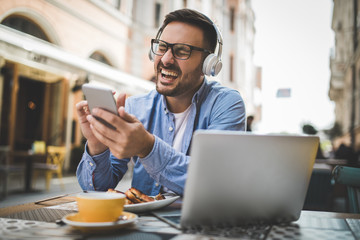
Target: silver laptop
(237,178)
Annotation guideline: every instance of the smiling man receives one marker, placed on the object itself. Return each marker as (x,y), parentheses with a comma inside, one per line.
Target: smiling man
(156,129)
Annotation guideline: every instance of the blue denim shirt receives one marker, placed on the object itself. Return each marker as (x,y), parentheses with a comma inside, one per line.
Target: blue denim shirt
(213,107)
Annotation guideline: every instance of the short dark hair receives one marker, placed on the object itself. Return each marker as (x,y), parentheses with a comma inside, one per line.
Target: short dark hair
(194,18)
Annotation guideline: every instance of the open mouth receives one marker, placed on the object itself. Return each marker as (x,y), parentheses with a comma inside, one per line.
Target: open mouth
(168,75)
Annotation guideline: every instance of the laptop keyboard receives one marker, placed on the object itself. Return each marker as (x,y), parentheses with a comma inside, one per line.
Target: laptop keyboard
(314,228)
(318,229)
(294,232)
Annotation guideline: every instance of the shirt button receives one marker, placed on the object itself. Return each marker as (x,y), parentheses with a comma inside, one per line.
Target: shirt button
(90,185)
(156,184)
(91,164)
(171,128)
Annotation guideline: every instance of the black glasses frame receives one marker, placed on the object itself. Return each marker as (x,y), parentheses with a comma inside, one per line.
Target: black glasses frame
(171,45)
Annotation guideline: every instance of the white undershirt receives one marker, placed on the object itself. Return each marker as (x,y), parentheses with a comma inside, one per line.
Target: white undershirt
(181,120)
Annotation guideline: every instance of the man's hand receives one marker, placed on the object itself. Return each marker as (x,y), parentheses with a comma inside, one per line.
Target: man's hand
(130,138)
(94,145)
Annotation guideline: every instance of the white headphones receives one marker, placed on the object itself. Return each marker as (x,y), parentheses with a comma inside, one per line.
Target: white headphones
(212,63)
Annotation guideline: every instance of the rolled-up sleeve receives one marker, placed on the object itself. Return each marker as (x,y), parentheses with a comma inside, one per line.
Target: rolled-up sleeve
(96,172)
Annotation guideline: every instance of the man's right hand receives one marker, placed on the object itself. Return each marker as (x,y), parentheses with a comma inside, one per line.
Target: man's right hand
(94,145)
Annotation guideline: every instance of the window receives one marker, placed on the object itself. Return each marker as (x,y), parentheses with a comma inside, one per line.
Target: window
(157,14)
(232,19)
(25,25)
(101,58)
(231,68)
(116,4)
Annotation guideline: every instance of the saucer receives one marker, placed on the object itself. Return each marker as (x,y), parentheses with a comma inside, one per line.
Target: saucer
(75,220)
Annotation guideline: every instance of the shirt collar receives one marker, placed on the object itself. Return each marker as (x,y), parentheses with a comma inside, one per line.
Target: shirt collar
(199,92)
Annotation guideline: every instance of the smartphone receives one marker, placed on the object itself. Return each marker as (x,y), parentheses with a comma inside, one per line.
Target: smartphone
(100,97)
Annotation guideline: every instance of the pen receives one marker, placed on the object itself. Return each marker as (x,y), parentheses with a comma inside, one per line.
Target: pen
(51,198)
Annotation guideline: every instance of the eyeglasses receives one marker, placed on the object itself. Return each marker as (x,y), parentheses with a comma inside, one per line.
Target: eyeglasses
(180,51)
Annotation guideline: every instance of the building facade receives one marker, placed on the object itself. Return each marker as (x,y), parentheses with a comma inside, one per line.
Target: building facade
(49,48)
(345,72)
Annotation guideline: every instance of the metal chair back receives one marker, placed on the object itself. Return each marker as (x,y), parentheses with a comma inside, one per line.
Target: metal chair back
(350,177)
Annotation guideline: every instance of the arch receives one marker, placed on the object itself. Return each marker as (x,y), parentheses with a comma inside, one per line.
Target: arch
(37,19)
(26,25)
(98,56)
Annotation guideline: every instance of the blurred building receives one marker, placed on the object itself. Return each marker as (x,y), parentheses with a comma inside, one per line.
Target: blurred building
(49,48)
(345,72)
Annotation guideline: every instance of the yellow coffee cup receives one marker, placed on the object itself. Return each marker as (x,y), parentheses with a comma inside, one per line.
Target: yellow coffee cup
(100,206)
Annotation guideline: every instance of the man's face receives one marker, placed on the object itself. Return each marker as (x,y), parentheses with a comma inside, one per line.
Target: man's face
(176,77)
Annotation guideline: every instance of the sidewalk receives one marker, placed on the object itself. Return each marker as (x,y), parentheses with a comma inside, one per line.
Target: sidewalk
(16,196)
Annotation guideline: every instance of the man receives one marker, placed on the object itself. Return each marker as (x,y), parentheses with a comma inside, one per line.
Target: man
(249,121)
(155,129)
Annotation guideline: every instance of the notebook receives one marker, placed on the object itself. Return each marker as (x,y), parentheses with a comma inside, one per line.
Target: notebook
(237,178)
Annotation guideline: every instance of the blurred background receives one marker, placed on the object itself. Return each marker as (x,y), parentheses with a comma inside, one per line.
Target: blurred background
(295,62)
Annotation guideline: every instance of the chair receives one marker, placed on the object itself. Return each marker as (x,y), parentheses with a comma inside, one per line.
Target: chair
(350,177)
(6,169)
(55,156)
(320,190)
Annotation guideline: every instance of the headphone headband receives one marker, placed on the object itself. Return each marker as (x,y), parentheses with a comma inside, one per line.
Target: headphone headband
(218,36)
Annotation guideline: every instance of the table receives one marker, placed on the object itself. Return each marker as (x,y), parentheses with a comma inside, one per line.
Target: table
(333,162)
(312,224)
(29,158)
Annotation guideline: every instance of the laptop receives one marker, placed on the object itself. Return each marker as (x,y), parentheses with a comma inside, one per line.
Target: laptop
(237,178)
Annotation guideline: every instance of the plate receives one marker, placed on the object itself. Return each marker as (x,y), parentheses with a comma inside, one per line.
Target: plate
(75,220)
(150,206)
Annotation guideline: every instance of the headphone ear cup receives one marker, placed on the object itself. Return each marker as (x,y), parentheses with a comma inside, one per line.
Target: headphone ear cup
(208,64)
(151,55)
(217,67)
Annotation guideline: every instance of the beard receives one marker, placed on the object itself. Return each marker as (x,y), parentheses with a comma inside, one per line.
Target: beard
(184,83)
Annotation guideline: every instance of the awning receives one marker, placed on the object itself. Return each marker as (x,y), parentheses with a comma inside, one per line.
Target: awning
(50,59)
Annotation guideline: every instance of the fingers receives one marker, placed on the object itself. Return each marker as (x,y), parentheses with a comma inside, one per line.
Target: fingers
(99,128)
(120,101)
(82,110)
(100,131)
(106,116)
(116,121)
(82,107)
(126,116)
